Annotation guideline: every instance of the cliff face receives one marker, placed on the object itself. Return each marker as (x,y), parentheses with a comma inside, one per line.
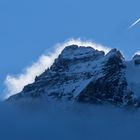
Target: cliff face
(83,74)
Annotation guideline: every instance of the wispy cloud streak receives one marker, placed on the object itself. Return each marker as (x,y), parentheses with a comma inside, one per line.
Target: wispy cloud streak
(136,22)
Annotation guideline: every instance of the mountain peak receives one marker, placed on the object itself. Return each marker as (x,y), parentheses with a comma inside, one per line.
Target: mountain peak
(136,59)
(116,53)
(77,52)
(83,74)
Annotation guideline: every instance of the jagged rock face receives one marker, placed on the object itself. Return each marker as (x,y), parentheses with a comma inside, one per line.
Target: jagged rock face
(112,86)
(82,74)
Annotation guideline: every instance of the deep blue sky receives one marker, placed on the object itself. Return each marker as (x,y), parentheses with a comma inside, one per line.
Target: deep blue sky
(29,27)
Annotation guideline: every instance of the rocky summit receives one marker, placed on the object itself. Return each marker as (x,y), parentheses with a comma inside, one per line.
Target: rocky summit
(85,75)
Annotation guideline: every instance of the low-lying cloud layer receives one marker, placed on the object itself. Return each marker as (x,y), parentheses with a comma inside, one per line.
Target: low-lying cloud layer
(15,83)
(72,122)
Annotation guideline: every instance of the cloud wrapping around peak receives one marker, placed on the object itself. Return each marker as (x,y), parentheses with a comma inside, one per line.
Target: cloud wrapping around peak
(15,83)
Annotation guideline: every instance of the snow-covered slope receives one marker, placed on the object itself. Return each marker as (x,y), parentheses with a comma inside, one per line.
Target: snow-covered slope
(133,74)
(83,74)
